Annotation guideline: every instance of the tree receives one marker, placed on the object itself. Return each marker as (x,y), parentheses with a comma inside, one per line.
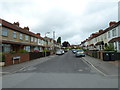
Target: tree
(65,44)
(59,40)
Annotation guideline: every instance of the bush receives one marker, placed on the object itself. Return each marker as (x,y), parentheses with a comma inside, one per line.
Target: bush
(12,52)
(2,57)
(46,50)
(36,51)
(23,51)
(109,47)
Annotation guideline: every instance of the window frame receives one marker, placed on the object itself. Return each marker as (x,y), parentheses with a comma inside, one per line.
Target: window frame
(26,37)
(109,34)
(4,32)
(14,33)
(32,39)
(21,36)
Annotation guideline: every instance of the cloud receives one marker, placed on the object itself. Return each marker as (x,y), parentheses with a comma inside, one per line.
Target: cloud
(73,20)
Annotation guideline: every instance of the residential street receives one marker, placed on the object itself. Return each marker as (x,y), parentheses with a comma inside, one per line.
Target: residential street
(64,71)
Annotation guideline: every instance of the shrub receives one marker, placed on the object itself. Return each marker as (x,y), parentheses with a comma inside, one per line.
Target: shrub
(36,51)
(2,57)
(109,47)
(12,52)
(22,51)
(45,50)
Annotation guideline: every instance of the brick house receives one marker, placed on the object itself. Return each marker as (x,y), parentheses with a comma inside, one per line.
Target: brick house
(15,38)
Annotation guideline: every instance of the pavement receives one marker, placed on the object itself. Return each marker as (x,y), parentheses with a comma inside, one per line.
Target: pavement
(107,68)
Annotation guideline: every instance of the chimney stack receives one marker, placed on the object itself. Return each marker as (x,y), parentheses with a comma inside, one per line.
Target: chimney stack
(38,34)
(112,23)
(100,31)
(26,28)
(16,23)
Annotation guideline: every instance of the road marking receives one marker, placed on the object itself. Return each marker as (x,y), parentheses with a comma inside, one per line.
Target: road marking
(98,69)
(80,70)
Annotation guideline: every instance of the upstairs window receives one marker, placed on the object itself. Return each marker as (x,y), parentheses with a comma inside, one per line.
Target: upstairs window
(4,32)
(109,34)
(114,32)
(26,38)
(32,39)
(39,41)
(21,36)
(35,39)
(14,35)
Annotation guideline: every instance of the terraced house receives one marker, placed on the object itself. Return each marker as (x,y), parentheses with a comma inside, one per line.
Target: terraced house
(98,40)
(52,44)
(15,38)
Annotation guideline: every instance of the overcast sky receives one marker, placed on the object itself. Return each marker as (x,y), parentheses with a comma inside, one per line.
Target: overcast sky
(72,20)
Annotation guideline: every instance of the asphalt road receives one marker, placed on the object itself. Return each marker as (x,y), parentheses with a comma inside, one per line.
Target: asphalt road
(65,71)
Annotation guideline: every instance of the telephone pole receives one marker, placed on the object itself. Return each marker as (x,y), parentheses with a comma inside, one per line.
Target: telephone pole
(53,41)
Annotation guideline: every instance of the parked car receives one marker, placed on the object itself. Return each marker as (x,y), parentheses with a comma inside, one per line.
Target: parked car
(60,52)
(66,50)
(80,53)
(74,51)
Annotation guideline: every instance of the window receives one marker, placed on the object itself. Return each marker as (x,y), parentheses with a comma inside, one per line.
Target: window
(21,36)
(35,39)
(26,38)
(27,48)
(105,36)
(32,39)
(109,34)
(119,45)
(114,32)
(4,31)
(6,47)
(14,35)
(39,41)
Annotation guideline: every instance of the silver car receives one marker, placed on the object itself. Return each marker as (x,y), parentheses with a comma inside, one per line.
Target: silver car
(80,53)
(59,52)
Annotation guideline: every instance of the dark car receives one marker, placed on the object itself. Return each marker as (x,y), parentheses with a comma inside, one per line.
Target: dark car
(74,50)
(80,53)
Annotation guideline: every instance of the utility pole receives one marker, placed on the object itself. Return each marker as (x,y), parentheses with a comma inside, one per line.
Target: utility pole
(53,41)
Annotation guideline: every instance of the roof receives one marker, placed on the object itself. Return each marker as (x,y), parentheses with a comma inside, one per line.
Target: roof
(102,32)
(115,39)
(16,28)
(91,45)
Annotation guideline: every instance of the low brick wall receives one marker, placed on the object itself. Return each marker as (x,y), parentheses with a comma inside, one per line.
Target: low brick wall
(23,57)
(102,55)
(9,58)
